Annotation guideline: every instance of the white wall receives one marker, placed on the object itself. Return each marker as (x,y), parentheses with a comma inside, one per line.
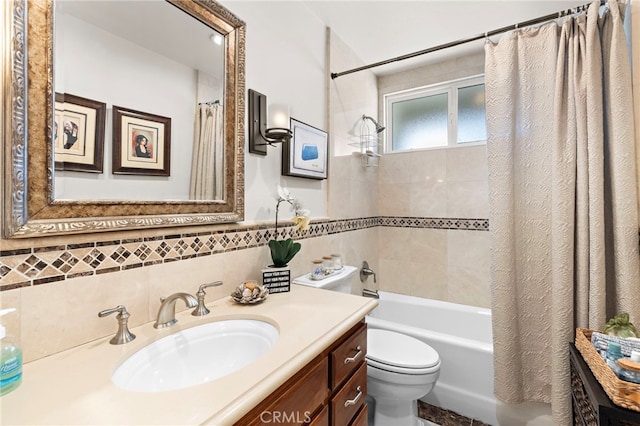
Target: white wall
(142,81)
(352,96)
(285,60)
(353,189)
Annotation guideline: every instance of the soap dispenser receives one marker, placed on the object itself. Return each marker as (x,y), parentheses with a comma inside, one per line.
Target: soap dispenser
(10,360)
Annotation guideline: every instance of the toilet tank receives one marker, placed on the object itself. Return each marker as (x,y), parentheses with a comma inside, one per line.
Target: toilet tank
(337,281)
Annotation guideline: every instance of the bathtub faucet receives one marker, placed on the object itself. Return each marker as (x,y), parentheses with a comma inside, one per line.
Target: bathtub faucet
(370,293)
(365,272)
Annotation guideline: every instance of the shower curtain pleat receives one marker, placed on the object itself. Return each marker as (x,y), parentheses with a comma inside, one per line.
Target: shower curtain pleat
(563,198)
(206,177)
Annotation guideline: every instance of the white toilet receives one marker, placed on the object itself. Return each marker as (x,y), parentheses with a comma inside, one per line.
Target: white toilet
(400,368)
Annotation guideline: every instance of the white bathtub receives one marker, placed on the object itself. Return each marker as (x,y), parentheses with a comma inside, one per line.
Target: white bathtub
(462,337)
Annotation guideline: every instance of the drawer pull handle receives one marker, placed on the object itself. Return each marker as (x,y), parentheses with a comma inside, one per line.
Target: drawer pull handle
(355,400)
(355,357)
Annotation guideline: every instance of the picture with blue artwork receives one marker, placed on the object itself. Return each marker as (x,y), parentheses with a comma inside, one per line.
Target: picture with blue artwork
(306,154)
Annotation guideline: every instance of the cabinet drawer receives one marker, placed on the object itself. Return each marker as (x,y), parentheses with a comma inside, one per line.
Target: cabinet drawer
(346,403)
(299,401)
(348,356)
(322,419)
(362,418)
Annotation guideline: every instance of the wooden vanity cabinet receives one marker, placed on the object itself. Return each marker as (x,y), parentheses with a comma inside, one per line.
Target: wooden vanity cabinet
(321,419)
(329,390)
(348,376)
(349,399)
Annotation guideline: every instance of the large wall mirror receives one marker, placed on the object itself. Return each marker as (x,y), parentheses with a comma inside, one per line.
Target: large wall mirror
(121,115)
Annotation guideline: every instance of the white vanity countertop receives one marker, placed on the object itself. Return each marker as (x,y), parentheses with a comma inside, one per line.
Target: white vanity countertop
(74,386)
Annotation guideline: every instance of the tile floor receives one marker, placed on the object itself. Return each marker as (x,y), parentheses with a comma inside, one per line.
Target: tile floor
(527,414)
(442,417)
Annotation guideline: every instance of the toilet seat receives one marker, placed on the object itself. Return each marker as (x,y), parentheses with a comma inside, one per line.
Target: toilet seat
(399,353)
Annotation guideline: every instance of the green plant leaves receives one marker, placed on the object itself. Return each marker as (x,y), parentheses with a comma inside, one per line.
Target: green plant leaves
(282,251)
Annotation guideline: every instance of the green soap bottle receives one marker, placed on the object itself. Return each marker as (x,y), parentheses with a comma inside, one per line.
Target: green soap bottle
(10,360)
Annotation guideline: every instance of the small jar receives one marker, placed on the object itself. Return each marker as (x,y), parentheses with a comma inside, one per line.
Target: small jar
(327,265)
(630,368)
(337,262)
(614,352)
(317,273)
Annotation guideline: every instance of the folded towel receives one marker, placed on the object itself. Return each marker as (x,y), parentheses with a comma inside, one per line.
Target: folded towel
(601,342)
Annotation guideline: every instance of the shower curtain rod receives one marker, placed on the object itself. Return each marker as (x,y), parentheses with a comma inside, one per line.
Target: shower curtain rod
(534,21)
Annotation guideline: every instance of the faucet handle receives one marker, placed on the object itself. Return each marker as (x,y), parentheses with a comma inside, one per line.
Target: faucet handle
(123,335)
(365,271)
(120,308)
(213,284)
(201,309)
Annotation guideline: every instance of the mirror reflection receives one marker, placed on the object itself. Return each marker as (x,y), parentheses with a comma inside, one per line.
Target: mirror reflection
(138,103)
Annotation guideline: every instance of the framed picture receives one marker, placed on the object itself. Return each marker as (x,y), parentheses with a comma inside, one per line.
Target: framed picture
(78,133)
(141,143)
(306,154)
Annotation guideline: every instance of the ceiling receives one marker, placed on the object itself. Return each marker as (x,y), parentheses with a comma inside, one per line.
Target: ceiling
(155,25)
(375,29)
(380,30)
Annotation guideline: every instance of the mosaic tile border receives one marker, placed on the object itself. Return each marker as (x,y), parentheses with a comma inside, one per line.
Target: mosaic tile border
(42,265)
(435,223)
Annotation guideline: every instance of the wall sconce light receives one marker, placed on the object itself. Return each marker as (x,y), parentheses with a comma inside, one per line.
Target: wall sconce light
(263,132)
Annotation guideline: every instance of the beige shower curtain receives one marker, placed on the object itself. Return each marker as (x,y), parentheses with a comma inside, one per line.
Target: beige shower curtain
(207,162)
(562,179)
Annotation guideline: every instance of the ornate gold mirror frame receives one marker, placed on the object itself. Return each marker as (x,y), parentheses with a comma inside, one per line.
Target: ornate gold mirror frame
(29,208)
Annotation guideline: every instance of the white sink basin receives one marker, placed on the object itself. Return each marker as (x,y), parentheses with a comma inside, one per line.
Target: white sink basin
(196,355)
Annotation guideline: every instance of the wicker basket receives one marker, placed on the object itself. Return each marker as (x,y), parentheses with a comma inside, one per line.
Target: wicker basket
(622,393)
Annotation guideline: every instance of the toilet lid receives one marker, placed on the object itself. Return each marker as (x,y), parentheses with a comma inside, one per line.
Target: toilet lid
(395,349)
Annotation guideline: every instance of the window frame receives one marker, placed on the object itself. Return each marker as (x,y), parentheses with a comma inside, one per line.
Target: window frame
(451,89)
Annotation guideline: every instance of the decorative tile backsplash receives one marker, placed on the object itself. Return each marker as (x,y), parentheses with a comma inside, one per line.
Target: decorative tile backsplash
(435,223)
(42,265)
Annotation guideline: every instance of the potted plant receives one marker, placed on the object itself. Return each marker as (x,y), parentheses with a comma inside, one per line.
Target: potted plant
(277,277)
(282,251)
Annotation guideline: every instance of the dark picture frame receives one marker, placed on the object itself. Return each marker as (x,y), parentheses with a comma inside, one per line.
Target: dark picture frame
(307,153)
(141,143)
(78,133)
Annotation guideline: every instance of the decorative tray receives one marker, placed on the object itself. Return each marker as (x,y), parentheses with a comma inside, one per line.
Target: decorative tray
(326,275)
(622,393)
(249,293)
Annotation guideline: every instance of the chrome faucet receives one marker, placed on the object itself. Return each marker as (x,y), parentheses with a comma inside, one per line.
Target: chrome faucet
(167,311)
(365,272)
(201,309)
(123,335)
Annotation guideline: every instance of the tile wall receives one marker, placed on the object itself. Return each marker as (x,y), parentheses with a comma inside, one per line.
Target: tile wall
(419,196)
(53,316)
(446,264)
(58,290)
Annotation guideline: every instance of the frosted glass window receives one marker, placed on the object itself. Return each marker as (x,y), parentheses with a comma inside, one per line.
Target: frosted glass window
(445,114)
(471,114)
(420,123)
